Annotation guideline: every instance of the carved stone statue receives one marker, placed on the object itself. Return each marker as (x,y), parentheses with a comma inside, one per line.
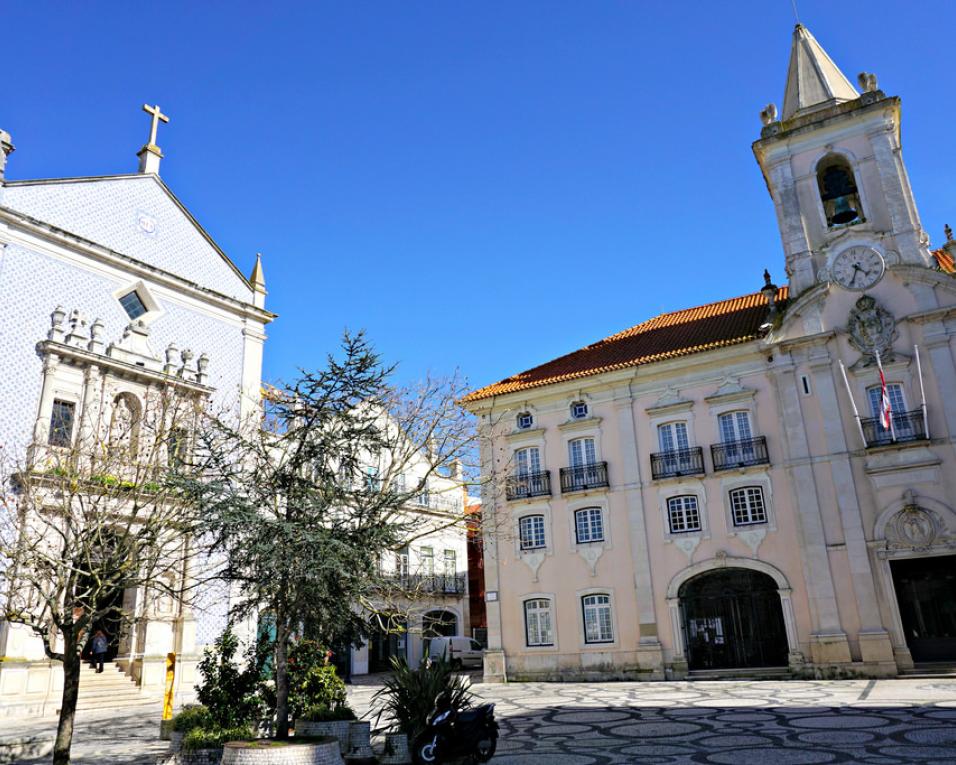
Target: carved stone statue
(872,329)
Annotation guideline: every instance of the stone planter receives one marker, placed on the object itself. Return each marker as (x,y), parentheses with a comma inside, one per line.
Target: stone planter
(396,750)
(272,752)
(338,729)
(176,740)
(197,757)
(360,741)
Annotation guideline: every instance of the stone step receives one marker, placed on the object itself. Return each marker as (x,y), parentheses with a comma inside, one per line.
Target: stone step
(931,669)
(742,673)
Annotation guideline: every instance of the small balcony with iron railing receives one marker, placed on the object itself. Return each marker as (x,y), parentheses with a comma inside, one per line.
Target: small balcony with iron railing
(740,454)
(584,477)
(426,584)
(678,462)
(528,485)
(907,427)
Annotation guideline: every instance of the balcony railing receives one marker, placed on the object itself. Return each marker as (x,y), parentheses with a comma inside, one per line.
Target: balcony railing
(527,485)
(427,584)
(738,454)
(678,462)
(584,477)
(907,426)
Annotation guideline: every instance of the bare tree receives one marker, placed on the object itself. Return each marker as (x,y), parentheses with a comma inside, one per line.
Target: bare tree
(93,512)
(306,505)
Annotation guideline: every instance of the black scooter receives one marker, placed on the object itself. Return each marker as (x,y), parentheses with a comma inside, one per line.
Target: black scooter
(450,735)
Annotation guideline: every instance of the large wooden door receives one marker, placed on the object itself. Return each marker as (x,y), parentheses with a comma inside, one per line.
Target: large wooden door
(926,595)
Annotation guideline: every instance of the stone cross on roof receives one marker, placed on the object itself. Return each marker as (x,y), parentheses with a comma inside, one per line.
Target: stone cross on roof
(150,154)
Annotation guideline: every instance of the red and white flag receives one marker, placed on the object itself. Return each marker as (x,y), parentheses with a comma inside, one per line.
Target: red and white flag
(886,409)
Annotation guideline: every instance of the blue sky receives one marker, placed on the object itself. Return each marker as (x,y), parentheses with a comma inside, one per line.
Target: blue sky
(481,186)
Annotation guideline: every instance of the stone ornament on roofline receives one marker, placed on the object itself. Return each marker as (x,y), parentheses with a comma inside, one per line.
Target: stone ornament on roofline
(872,330)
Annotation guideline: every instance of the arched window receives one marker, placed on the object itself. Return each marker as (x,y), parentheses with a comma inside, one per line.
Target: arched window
(538,622)
(531,532)
(597,619)
(588,525)
(838,192)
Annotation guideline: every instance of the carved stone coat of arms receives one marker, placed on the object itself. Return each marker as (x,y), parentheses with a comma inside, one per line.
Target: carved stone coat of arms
(872,330)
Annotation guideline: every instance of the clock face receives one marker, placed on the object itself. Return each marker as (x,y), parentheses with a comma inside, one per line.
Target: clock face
(857,268)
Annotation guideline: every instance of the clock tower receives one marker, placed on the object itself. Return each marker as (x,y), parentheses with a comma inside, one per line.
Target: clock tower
(834,168)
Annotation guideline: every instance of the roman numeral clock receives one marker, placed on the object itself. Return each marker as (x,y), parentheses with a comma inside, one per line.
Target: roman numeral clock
(857,268)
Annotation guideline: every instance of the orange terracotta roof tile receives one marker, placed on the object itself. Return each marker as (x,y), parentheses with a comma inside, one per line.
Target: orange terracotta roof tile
(945,261)
(680,333)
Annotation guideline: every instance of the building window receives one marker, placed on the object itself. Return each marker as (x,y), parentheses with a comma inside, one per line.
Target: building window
(426,560)
(451,563)
(525,420)
(597,619)
(748,506)
(683,514)
(401,562)
(531,532)
(894,391)
(133,304)
(734,427)
(838,192)
(579,410)
(527,461)
(589,525)
(372,481)
(581,452)
(672,437)
(61,423)
(537,622)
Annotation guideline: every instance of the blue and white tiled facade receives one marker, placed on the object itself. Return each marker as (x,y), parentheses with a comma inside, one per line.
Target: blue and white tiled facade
(81,244)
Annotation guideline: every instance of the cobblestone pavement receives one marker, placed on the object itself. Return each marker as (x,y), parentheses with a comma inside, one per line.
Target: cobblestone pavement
(886,722)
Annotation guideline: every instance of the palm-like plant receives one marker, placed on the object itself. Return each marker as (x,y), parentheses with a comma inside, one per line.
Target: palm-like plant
(408,696)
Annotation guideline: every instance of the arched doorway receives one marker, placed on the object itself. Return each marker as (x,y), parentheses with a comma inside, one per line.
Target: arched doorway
(732,618)
(439,624)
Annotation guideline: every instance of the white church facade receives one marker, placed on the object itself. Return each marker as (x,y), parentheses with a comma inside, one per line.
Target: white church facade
(112,289)
(766,484)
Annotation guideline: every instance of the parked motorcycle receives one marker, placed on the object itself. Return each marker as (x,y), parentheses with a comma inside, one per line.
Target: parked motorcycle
(452,735)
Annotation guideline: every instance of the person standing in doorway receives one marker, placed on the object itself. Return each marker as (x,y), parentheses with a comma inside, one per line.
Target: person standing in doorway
(100,645)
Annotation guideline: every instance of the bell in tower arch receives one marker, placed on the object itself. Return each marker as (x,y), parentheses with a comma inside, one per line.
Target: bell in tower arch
(838,192)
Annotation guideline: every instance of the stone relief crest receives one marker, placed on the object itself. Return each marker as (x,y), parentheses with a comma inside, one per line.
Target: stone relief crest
(915,527)
(872,329)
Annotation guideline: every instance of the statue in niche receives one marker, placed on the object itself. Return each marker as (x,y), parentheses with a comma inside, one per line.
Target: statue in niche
(872,330)
(124,424)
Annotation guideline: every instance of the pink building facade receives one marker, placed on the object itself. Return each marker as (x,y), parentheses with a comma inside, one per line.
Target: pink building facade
(731,488)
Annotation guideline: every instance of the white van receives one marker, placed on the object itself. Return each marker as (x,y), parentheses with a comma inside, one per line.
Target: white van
(458,651)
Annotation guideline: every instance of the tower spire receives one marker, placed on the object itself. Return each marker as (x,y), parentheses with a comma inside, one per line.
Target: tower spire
(813,80)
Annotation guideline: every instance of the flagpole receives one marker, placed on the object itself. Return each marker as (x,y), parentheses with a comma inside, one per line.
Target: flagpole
(856,414)
(922,392)
(885,405)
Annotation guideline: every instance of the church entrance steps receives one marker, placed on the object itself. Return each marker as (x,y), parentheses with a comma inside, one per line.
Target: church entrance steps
(931,669)
(742,673)
(110,689)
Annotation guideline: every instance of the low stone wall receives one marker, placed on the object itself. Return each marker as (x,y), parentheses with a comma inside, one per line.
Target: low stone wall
(266,752)
(196,757)
(338,729)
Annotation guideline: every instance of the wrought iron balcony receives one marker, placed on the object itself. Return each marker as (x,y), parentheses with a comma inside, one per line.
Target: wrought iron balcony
(528,485)
(677,462)
(907,426)
(584,477)
(738,454)
(426,584)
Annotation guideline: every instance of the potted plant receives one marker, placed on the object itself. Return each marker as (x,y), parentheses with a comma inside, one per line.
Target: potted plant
(269,751)
(322,720)
(204,745)
(192,716)
(408,697)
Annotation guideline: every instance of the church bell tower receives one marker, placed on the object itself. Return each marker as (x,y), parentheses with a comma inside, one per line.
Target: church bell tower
(834,168)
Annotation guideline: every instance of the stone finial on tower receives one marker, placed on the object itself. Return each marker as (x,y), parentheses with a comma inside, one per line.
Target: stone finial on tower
(813,80)
(868,82)
(258,281)
(6,149)
(769,291)
(769,114)
(150,154)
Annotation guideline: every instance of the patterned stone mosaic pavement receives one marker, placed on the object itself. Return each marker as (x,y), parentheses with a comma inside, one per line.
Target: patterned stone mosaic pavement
(886,722)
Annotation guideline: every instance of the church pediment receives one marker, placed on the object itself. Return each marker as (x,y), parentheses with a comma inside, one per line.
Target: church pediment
(137,216)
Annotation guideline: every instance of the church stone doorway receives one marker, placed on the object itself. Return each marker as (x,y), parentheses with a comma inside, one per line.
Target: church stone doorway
(926,595)
(733,619)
